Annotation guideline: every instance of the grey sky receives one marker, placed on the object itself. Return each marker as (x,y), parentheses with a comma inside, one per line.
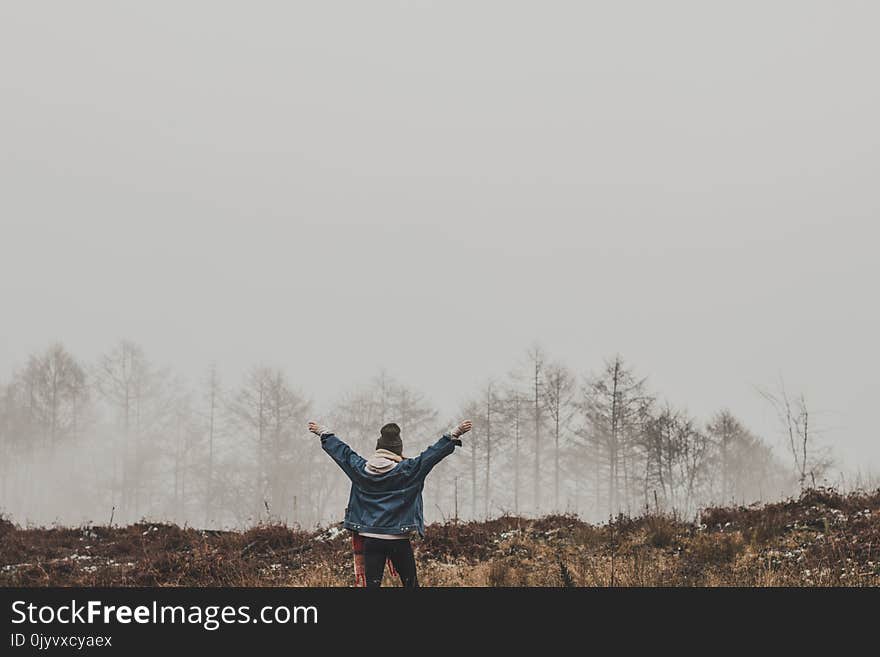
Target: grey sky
(333,187)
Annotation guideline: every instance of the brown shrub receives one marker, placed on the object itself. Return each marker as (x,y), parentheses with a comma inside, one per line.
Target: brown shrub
(6,526)
(714,549)
(661,531)
(502,573)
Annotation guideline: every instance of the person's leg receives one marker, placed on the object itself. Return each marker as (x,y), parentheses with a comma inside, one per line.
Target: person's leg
(375,554)
(404,562)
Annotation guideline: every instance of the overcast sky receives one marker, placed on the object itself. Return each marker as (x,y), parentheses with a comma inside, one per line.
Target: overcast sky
(432,186)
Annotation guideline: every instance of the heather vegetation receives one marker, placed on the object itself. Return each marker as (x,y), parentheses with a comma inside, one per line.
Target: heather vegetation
(821,538)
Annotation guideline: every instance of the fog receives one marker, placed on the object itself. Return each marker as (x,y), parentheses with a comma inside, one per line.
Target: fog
(429,189)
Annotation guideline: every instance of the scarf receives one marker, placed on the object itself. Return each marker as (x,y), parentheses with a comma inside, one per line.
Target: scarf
(382,461)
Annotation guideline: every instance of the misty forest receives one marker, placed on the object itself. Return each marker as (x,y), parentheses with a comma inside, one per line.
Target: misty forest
(122,439)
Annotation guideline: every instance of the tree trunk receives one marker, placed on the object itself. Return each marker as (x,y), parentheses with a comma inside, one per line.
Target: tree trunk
(488,446)
(537,441)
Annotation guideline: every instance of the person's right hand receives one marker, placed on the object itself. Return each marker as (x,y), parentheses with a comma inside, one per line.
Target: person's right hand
(462,428)
(315,428)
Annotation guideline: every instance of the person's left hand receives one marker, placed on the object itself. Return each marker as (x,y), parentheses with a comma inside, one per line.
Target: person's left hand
(462,428)
(316,428)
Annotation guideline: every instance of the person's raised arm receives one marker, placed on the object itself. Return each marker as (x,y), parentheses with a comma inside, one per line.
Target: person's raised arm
(347,459)
(442,448)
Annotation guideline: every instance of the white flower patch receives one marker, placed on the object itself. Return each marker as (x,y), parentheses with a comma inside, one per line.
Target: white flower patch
(839,517)
(331,533)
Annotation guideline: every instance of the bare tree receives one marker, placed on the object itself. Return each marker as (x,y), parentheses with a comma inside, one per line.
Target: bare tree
(614,406)
(56,389)
(695,460)
(137,393)
(536,370)
(515,402)
(189,434)
(659,445)
(675,457)
(510,420)
(725,431)
(809,459)
(472,409)
(743,466)
(9,438)
(270,412)
(490,408)
(559,388)
(213,399)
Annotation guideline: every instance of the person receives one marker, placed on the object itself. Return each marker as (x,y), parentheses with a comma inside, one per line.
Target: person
(385,503)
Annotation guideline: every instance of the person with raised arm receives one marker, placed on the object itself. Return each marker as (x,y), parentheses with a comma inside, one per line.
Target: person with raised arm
(385,504)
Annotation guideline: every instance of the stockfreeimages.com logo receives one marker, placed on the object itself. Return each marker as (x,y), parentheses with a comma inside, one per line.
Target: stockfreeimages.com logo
(210,617)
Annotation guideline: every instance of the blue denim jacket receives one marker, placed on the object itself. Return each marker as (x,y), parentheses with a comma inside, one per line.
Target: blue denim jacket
(391,502)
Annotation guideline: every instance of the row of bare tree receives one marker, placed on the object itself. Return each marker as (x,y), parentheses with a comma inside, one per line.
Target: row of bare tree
(548,440)
(121,439)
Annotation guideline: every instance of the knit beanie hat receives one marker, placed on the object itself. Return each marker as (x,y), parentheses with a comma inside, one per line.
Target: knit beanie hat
(390,439)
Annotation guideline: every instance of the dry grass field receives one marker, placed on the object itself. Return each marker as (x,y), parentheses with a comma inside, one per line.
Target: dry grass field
(821,539)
